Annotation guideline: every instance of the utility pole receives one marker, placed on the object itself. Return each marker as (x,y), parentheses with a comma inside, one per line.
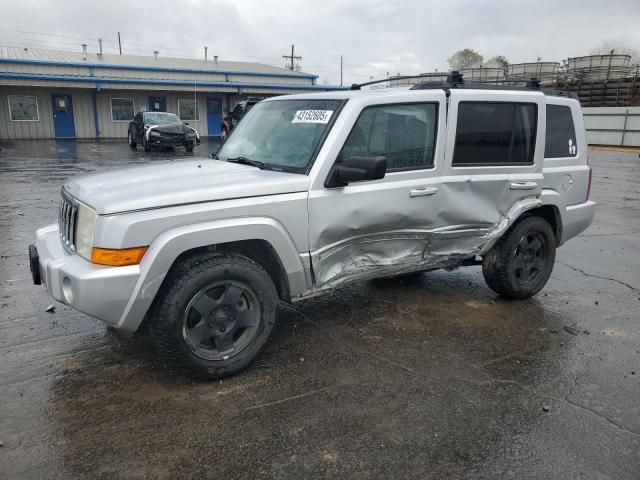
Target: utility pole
(340,70)
(292,57)
(119,44)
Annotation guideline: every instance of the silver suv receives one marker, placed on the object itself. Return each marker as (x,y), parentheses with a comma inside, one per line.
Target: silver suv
(312,191)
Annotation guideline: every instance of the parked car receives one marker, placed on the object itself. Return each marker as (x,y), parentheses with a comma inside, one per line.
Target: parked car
(318,190)
(161,129)
(232,119)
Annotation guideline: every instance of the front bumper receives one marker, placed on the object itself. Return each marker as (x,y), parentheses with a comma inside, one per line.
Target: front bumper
(102,292)
(172,141)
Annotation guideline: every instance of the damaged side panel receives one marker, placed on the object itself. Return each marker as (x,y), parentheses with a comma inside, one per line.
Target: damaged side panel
(393,253)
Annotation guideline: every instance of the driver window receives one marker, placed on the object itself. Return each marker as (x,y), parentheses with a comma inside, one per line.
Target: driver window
(405,134)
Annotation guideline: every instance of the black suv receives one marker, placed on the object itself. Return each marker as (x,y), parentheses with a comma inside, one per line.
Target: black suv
(161,129)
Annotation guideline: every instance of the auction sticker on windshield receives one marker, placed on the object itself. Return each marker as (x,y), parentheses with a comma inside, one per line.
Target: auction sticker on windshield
(312,116)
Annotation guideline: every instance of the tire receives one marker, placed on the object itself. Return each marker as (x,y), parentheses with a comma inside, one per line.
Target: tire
(520,264)
(145,145)
(241,302)
(132,142)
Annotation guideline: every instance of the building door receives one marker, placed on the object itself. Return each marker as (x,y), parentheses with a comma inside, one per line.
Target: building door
(63,116)
(214,116)
(157,104)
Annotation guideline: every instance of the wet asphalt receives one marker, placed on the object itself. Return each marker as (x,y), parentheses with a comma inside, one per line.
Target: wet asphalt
(425,376)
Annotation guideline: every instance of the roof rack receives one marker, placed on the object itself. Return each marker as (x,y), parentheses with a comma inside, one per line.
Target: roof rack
(455,80)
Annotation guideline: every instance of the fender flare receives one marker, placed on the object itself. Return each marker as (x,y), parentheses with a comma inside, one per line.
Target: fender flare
(168,246)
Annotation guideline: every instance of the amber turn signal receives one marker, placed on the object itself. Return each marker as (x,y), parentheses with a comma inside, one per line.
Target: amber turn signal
(117,258)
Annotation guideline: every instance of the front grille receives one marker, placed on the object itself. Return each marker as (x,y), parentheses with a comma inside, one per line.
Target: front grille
(68,221)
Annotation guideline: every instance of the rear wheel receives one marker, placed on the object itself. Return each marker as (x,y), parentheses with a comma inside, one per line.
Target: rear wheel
(216,314)
(132,142)
(520,264)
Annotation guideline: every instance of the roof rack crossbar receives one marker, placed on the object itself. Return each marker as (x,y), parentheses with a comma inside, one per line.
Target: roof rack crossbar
(455,80)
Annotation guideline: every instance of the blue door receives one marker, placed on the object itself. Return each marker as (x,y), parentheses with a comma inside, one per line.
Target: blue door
(63,116)
(214,116)
(157,104)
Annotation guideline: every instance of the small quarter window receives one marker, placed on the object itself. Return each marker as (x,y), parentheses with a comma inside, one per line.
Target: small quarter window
(122,109)
(561,134)
(23,108)
(187,109)
(495,133)
(405,134)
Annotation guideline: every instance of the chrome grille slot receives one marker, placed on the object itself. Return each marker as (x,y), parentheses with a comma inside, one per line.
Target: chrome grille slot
(67,221)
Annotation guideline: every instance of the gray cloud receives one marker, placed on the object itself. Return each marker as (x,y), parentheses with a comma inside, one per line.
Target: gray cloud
(375,37)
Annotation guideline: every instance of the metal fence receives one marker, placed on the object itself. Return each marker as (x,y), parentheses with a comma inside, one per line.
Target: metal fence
(616,126)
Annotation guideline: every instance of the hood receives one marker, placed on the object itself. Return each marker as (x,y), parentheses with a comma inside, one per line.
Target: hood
(163,184)
(174,128)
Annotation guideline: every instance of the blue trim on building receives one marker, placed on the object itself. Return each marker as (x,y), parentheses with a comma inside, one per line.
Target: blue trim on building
(154,69)
(140,81)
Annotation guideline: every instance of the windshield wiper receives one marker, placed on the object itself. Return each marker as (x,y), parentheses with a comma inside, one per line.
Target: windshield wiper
(248,161)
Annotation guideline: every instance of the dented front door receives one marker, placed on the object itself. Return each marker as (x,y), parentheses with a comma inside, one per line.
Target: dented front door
(374,228)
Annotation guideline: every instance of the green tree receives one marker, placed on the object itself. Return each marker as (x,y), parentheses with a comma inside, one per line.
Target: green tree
(499,61)
(466,58)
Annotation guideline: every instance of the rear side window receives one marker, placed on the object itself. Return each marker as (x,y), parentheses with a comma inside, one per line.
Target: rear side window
(405,134)
(561,134)
(495,133)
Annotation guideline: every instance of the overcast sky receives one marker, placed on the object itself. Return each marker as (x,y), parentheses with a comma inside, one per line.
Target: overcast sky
(374,36)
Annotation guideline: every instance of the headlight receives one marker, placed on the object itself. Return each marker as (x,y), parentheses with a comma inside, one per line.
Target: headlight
(154,133)
(84,231)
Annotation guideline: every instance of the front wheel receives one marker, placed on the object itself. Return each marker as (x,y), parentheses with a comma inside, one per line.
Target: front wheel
(145,144)
(132,142)
(520,264)
(215,315)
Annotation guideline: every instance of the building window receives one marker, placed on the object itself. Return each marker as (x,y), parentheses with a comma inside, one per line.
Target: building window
(495,133)
(404,134)
(23,108)
(188,109)
(122,109)
(561,134)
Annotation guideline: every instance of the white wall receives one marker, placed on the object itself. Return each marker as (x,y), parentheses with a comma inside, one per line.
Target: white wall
(616,126)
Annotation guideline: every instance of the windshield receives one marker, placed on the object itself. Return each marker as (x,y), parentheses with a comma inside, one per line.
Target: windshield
(282,134)
(161,118)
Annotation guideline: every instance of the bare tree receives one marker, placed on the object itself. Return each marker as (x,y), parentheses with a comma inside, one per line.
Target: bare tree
(617,47)
(466,58)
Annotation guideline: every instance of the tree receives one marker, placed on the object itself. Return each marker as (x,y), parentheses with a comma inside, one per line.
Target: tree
(466,58)
(499,61)
(619,47)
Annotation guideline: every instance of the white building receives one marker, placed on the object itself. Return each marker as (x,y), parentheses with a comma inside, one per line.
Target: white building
(63,94)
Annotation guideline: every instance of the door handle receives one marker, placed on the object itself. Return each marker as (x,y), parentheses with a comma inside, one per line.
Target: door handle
(423,192)
(523,185)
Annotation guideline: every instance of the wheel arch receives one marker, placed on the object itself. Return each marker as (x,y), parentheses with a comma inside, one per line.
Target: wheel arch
(263,240)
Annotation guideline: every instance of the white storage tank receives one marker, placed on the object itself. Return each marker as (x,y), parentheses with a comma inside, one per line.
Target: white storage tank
(483,74)
(599,67)
(545,72)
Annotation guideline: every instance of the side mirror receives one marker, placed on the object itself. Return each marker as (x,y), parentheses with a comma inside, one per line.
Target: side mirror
(356,169)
